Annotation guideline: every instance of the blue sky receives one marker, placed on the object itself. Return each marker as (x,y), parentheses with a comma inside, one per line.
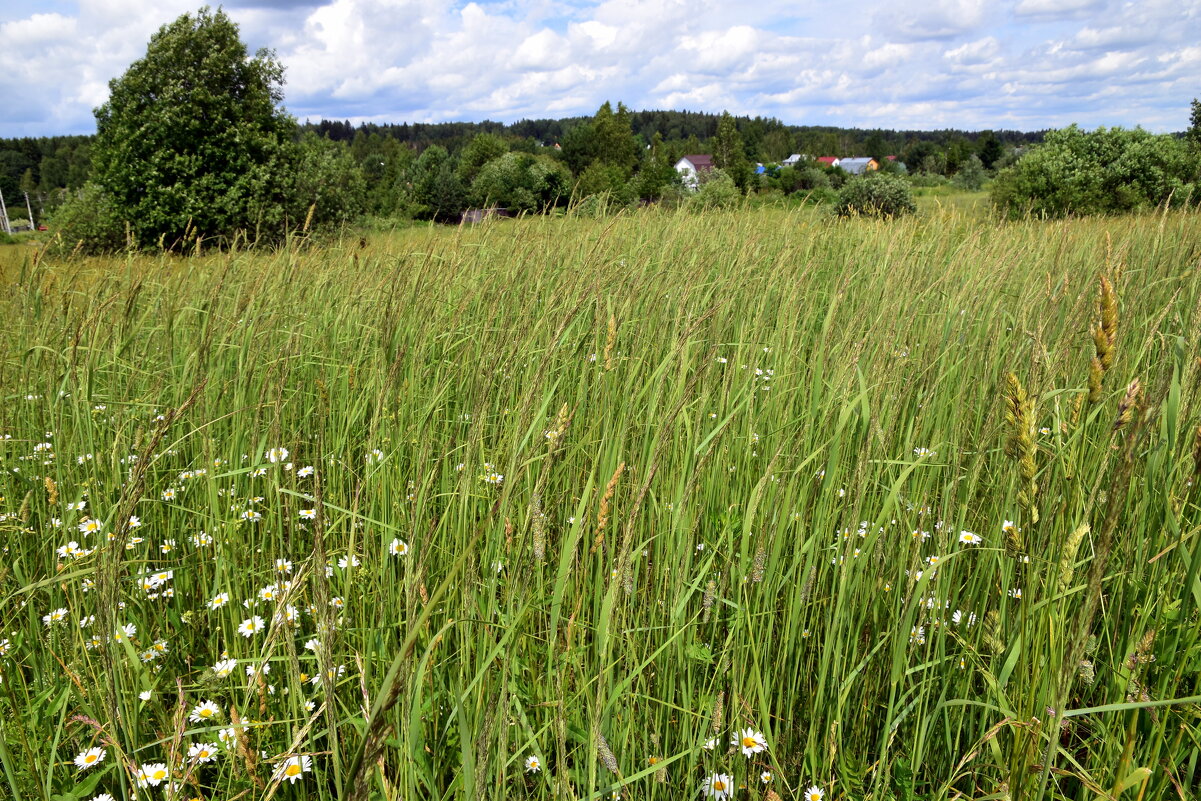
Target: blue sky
(973,64)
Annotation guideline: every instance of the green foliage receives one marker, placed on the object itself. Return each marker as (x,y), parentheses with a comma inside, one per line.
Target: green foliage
(717,191)
(327,180)
(88,222)
(605,142)
(613,180)
(1193,134)
(875,194)
(521,182)
(615,142)
(434,190)
(971,174)
(728,152)
(479,151)
(802,179)
(658,173)
(1106,171)
(192,140)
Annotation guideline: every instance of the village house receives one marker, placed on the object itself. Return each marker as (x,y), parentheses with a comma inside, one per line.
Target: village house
(858,165)
(691,167)
(828,161)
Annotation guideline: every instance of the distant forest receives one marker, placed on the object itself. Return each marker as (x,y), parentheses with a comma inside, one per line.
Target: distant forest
(47,167)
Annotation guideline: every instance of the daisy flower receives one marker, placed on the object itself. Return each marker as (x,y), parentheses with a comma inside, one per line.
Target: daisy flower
(750,741)
(219,600)
(291,768)
(251,626)
(532,764)
(766,777)
(968,538)
(814,794)
(277,455)
(719,786)
(89,758)
(225,667)
(398,547)
(305,471)
(152,774)
(57,616)
(204,711)
(203,752)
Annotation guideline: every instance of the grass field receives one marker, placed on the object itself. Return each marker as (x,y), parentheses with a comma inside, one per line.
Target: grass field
(746,504)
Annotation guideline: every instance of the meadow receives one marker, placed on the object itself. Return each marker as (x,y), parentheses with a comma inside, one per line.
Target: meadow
(749,504)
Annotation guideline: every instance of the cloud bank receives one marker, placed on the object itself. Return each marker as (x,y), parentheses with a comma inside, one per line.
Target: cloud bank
(1024,64)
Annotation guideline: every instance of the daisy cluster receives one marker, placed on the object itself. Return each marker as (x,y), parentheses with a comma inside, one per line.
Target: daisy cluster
(153,584)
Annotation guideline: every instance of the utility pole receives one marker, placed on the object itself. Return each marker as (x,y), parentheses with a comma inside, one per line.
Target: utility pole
(8,229)
(29,209)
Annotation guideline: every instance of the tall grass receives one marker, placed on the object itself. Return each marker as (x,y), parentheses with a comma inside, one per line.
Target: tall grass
(617,490)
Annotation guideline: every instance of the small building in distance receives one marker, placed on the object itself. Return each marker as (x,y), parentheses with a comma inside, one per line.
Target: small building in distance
(858,165)
(792,160)
(691,167)
(828,161)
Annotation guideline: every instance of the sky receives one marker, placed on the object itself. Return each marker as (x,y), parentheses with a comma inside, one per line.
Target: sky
(926,64)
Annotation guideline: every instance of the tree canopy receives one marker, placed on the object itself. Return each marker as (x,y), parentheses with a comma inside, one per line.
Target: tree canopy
(193,138)
(1108,170)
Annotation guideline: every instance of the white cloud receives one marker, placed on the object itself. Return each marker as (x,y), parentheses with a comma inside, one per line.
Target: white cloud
(1056,8)
(966,63)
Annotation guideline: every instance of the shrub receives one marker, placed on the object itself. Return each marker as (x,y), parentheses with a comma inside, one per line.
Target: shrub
(717,192)
(1104,171)
(88,221)
(875,195)
(803,179)
(971,175)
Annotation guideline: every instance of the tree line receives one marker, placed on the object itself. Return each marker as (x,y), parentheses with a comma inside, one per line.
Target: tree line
(194,147)
(388,154)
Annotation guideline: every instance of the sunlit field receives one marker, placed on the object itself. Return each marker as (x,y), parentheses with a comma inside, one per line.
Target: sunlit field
(748,505)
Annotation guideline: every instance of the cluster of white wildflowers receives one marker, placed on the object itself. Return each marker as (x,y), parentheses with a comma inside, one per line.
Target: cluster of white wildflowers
(174,593)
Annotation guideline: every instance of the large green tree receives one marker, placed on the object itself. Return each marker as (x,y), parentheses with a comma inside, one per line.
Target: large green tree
(193,138)
(1106,171)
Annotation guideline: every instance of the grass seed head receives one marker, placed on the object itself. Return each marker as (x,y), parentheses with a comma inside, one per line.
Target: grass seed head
(1129,403)
(1067,561)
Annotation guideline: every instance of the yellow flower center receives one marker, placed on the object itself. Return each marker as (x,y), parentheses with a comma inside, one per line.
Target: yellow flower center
(293,770)
(90,758)
(719,785)
(205,713)
(748,742)
(160,774)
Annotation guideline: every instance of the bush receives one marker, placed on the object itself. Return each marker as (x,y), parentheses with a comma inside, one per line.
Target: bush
(971,175)
(328,181)
(522,183)
(88,221)
(928,180)
(717,192)
(611,180)
(803,179)
(875,195)
(1104,171)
